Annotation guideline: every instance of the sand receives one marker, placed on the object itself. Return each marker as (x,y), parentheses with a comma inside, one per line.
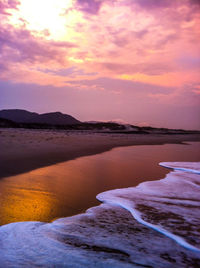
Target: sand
(106,235)
(160,231)
(23,150)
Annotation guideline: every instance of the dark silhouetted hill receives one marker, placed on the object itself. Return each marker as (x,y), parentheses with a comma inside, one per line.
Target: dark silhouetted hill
(23,116)
(59,121)
(17,115)
(7,123)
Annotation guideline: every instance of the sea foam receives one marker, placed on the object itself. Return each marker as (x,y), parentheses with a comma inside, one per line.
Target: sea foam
(155,224)
(170,206)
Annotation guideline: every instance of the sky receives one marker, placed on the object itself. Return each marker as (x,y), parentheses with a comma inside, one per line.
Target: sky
(134,61)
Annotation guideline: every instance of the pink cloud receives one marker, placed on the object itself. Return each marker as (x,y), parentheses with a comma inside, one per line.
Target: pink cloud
(89,6)
(135,40)
(23,46)
(5,5)
(142,53)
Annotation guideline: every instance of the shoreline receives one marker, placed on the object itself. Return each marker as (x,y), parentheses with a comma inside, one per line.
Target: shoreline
(120,232)
(23,150)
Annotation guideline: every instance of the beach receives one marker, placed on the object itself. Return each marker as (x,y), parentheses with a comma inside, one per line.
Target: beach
(23,150)
(151,222)
(99,134)
(152,225)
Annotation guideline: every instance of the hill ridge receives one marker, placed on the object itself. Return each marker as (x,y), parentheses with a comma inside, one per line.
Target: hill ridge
(24,116)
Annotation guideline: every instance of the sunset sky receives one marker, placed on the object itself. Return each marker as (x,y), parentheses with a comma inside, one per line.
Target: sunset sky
(135,61)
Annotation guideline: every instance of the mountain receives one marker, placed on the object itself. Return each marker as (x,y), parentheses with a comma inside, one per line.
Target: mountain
(7,123)
(16,115)
(56,118)
(23,116)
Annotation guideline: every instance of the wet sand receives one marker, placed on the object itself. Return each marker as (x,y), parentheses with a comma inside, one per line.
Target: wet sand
(23,150)
(134,227)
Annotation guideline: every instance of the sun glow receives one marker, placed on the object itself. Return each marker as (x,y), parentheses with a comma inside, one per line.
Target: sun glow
(46,17)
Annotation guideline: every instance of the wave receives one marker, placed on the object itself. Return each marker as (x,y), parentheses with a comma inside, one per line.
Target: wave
(166,202)
(155,224)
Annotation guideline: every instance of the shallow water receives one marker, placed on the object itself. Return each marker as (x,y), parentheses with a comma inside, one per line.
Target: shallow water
(155,224)
(170,206)
(71,187)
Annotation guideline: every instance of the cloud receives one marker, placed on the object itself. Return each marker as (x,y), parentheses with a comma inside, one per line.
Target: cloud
(20,45)
(161,4)
(139,40)
(127,87)
(148,69)
(195,2)
(154,3)
(134,58)
(89,6)
(22,49)
(5,5)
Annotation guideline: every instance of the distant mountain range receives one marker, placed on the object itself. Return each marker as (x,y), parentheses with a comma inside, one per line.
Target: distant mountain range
(16,118)
(23,116)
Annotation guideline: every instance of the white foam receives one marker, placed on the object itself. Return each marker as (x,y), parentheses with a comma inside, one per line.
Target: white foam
(86,240)
(193,167)
(178,188)
(137,215)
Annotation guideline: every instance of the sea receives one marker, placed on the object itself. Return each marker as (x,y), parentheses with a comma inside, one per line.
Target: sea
(136,206)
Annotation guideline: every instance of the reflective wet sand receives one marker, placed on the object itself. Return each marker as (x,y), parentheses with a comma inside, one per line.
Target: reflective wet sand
(69,188)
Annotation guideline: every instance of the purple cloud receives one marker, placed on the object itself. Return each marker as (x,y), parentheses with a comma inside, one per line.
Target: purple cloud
(8,4)
(152,4)
(89,6)
(148,69)
(195,2)
(19,45)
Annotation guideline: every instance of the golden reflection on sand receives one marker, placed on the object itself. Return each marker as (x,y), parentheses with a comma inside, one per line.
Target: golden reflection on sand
(22,199)
(70,187)
(45,193)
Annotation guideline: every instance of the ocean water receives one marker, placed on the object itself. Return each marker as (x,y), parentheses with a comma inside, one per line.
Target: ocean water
(71,187)
(153,224)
